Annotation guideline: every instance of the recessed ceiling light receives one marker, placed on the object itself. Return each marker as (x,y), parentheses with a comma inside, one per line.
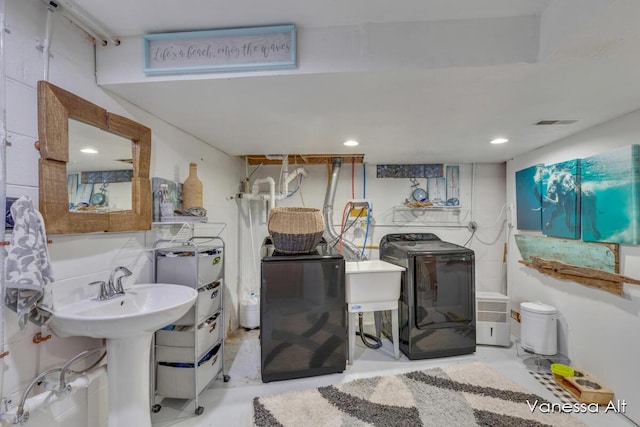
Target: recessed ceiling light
(351,143)
(89,151)
(499,141)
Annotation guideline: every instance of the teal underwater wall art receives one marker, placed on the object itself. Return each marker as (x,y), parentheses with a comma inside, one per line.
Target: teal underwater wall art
(561,199)
(610,201)
(529,198)
(548,199)
(596,198)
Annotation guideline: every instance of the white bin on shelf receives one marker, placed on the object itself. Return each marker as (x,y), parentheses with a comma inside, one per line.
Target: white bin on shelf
(176,344)
(209,301)
(177,380)
(539,330)
(180,265)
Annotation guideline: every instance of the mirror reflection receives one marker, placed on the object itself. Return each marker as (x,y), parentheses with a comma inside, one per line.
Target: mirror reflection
(85,197)
(99,170)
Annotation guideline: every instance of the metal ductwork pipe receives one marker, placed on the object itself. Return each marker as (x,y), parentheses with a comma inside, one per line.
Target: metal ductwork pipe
(349,250)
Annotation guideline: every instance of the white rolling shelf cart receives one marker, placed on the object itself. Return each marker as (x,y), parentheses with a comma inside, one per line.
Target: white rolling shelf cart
(189,354)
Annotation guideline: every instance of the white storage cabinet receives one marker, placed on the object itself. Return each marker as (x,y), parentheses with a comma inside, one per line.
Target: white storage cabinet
(189,354)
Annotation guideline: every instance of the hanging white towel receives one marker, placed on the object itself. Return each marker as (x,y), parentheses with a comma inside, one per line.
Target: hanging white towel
(28,268)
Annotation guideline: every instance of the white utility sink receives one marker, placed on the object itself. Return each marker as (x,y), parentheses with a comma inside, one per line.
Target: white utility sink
(372,281)
(372,285)
(128,323)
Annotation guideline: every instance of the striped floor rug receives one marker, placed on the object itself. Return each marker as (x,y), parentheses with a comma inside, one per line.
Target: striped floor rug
(457,395)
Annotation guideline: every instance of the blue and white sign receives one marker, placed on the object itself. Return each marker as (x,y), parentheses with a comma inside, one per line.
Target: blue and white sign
(225,50)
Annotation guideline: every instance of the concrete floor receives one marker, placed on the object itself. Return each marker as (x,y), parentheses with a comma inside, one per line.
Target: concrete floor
(230,404)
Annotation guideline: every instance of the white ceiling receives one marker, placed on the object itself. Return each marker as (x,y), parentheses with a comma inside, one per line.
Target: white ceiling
(113,151)
(132,18)
(586,68)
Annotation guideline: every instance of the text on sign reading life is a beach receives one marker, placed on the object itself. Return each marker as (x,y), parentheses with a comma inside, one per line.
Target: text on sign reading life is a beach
(254,49)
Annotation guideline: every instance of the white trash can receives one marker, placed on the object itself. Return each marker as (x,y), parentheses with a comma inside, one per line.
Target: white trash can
(539,330)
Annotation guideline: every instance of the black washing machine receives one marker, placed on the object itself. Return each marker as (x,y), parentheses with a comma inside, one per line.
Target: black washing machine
(436,310)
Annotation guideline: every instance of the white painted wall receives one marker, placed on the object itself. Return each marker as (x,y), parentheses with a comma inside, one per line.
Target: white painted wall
(372,46)
(385,195)
(597,330)
(80,259)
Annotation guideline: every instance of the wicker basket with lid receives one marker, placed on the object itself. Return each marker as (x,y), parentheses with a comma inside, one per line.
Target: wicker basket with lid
(295,230)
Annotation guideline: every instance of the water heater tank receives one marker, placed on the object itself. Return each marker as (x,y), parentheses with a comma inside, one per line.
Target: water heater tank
(250,312)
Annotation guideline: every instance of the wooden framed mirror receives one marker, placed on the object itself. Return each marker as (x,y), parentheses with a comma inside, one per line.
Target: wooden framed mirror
(60,110)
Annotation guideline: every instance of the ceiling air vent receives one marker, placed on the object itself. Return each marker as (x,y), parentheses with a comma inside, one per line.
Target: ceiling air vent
(555,122)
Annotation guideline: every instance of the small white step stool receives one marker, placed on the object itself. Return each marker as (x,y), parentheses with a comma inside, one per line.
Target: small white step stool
(355,308)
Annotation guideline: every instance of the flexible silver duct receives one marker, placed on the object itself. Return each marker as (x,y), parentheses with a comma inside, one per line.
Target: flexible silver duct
(349,250)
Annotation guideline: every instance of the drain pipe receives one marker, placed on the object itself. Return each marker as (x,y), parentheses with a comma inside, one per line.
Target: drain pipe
(256,195)
(3,176)
(350,251)
(271,197)
(256,187)
(290,177)
(19,414)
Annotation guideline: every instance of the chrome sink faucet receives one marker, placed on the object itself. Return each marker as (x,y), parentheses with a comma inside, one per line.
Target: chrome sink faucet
(105,293)
(116,284)
(113,287)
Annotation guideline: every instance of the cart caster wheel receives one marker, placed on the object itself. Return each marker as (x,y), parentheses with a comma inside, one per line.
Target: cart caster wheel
(226,378)
(156,408)
(199,410)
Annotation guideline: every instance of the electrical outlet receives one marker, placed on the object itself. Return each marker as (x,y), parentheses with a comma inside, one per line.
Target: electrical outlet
(359,207)
(358,212)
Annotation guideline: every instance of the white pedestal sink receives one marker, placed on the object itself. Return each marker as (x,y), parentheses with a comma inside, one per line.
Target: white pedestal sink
(128,323)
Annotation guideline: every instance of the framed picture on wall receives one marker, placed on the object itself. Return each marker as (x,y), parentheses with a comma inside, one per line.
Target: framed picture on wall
(437,190)
(609,196)
(561,199)
(529,198)
(83,195)
(175,195)
(452,176)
